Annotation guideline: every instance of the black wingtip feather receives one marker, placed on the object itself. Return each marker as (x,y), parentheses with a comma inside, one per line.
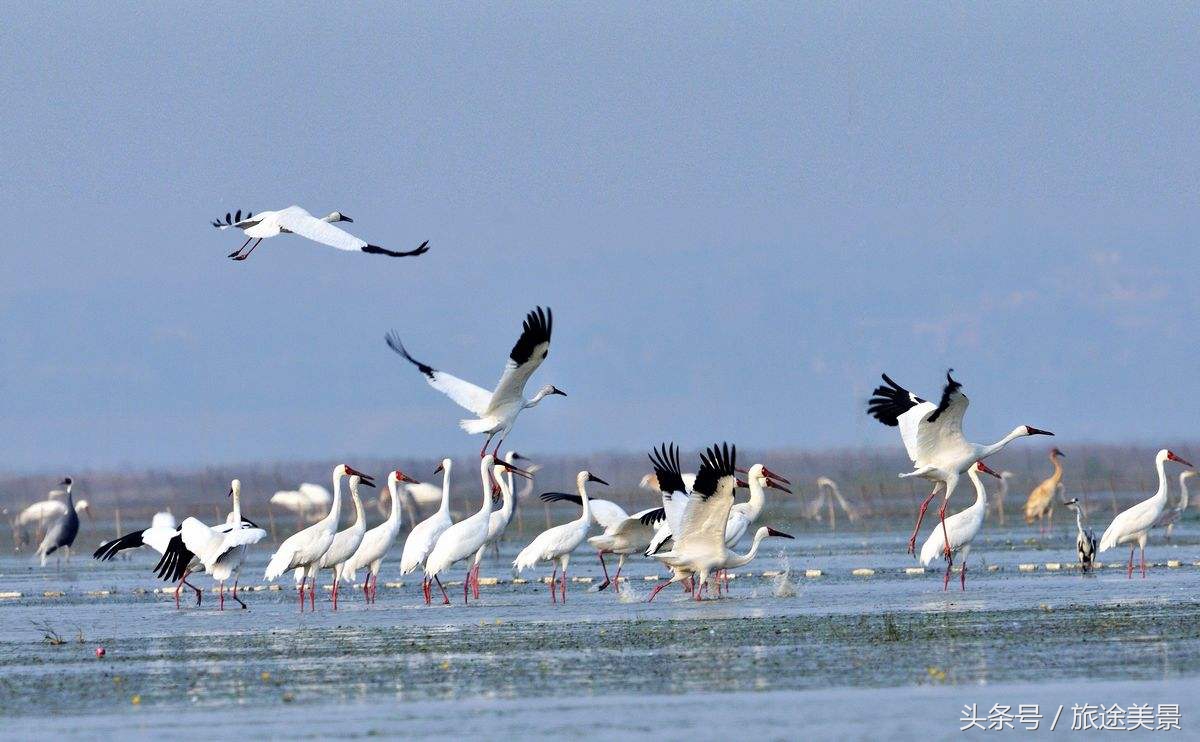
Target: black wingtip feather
(109,549)
(666,468)
(717,462)
(948,391)
(889,401)
(393,341)
(654,516)
(561,497)
(535,330)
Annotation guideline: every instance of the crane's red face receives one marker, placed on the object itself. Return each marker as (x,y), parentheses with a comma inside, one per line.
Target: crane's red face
(1172,457)
(366,479)
(402,477)
(980,466)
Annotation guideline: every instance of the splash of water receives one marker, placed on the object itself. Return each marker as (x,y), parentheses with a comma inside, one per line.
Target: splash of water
(783,586)
(627,593)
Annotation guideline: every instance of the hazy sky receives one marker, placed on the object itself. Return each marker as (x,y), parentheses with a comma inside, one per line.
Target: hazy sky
(740,215)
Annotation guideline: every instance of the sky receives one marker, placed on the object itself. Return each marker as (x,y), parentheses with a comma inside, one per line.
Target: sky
(740,215)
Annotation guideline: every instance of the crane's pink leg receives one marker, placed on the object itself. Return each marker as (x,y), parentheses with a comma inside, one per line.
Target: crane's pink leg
(483,451)
(367,588)
(656,590)
(312,594)
(335,588)
(554,584)
(912,541)
(564,586)
(1129,574)
(962,577)
(475,582)
(617,577)
(303,582)
(946,579)
(604,567)
(235,595)
(466,587)
(177,589)
(1143,551)
(427,589)
(945,535)
(445,597)
(221,597)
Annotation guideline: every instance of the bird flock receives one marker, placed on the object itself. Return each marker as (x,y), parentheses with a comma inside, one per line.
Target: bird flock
(694,530)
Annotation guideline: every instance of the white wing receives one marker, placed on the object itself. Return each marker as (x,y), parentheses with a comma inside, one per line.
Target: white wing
(201,540)
(704,522)
(297,220)
(1134,520)
(474,398)
(527,354)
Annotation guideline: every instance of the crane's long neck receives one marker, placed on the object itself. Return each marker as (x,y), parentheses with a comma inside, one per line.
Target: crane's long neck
(1162,480)
(359,516)
(335,507)
(758,498)
(394,491)
(982,452)
(485,476)
(737,560)
(237,508)
(980,491)
(506,492)
(586,515)
(445,506)
(542,394)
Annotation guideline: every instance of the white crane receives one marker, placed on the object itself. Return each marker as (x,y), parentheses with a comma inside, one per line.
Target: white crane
(1085,540)
(425,534)
(499,521)
(295,220)
(469,535)
(614,520)
(305,548)
(1133,526)
(1172,514)
(997,500)
(309,501)
(496,411)
(699,548)
(556,544)
(933,438)
(62,532)
(626,537)
(222,550)
(345,542)
(377,541)
(744,514)
(961,529)
(158,537)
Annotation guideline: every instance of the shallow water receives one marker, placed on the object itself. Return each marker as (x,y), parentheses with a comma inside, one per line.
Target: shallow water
(781,654)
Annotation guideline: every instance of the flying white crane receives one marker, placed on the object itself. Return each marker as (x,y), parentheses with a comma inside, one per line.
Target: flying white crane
(557,543)
(222,550)
(1133,526)
(469,535)
(295,220)
(158,537)
(496,411)
(962,529)
(345,542)
(699,548)
(1085,540)
(62,532)
(1172,514)
(305,548)
(377,541)
(933,438)
(425,534)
